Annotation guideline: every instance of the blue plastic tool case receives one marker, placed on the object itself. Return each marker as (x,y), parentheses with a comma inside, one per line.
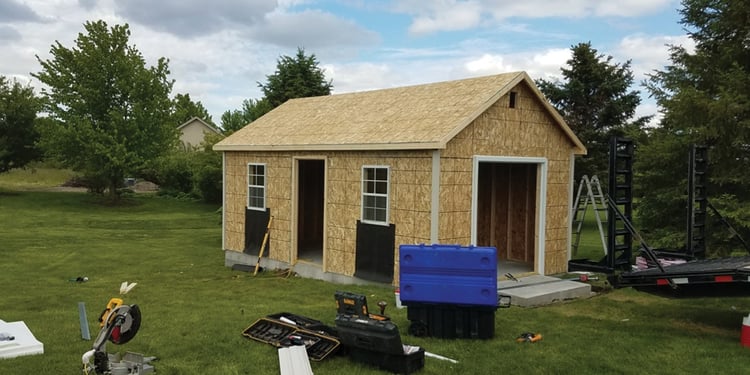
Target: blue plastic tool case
(450,274)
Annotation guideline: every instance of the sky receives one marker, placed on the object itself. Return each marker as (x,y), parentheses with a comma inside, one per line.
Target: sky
(220,50)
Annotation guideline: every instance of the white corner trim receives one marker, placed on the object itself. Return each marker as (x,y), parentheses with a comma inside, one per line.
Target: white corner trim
(435,198)
(571,192)
(223,200)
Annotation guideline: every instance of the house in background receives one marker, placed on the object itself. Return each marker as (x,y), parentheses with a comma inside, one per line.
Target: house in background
(347,178)
(193,132)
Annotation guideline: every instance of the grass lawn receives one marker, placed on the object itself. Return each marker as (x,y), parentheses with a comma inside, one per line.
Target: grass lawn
(194,309)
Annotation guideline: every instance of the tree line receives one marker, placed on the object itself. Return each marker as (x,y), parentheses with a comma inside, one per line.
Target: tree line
(108,115)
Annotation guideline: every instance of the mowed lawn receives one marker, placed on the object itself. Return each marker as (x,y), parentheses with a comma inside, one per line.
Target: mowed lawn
(195,309)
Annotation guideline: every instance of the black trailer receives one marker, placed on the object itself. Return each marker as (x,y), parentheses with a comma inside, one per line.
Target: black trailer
(687,273)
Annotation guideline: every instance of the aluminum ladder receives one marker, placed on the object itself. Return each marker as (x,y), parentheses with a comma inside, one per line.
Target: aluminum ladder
(593,195)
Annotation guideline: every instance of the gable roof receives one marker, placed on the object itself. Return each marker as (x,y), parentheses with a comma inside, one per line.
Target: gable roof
(421,117)
(199,120)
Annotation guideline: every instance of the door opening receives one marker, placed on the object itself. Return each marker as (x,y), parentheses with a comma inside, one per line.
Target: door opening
(506,213)
(310,210)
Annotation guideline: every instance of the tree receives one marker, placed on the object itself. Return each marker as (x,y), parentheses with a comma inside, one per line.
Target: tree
(184,109)
(295,77)
(595,101)
(111,113)
(18,111)
(705,99)
(252,109)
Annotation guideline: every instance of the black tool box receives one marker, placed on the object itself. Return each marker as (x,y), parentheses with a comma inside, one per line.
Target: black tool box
(378,343)
(283,330)
(450,321)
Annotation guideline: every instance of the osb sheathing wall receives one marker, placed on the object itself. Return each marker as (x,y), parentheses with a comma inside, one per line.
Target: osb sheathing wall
(410,204)
(524,131)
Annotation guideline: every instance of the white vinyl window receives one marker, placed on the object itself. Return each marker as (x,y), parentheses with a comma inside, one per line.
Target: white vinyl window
(256,186)
(375,190)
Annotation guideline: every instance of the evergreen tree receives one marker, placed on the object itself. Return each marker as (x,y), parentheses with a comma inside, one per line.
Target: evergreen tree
(705,99)
(596,101)
(295,77)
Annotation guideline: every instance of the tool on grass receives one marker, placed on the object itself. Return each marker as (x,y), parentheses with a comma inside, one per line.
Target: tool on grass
(440,357)
(584,278)
(529,337)
(382,305)
(119,324)
(263,245)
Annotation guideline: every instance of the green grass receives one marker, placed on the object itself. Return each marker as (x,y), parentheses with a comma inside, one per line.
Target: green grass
(590,244)
(34,177)
(194,309)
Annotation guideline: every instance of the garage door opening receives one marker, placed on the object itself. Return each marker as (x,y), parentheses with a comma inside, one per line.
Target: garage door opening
(506,213)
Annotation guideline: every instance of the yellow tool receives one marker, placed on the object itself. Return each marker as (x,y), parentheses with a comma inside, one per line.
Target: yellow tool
(113,303)
(529,337)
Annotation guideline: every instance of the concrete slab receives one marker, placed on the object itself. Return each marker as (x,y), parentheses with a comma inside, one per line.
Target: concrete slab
(538,290)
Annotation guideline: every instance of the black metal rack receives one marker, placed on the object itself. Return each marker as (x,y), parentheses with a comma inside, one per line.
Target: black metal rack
(620,238)
(619,212)
(697,202)
(697,275)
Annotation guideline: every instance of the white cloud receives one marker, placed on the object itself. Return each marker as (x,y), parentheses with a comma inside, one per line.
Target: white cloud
(359,76)
(194,18)
(649,52)
(488,64)
(312,29)
(447,16)
(451,15)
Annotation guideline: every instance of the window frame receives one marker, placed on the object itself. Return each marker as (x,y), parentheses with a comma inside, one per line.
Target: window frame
(262,187)
(386,195)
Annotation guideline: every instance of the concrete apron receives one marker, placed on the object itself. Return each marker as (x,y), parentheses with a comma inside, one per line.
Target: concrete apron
(539,290)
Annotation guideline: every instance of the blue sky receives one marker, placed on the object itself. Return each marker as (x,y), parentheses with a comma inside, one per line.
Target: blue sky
(219,50)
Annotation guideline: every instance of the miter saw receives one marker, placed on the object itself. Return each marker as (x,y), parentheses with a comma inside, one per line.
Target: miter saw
(118,324)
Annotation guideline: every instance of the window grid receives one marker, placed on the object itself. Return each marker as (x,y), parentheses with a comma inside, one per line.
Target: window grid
(375,184)
(256,186)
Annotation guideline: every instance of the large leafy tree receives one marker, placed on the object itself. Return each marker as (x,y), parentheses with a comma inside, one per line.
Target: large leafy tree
(18,135)
(704,96)
(184,108)
(596,100)
(110,112)
(295,77)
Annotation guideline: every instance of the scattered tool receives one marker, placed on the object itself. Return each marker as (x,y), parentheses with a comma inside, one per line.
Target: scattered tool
(440,357)
(119,324)
(529,337)
(584,278)
(263,245)
(382,305)
(508,275)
